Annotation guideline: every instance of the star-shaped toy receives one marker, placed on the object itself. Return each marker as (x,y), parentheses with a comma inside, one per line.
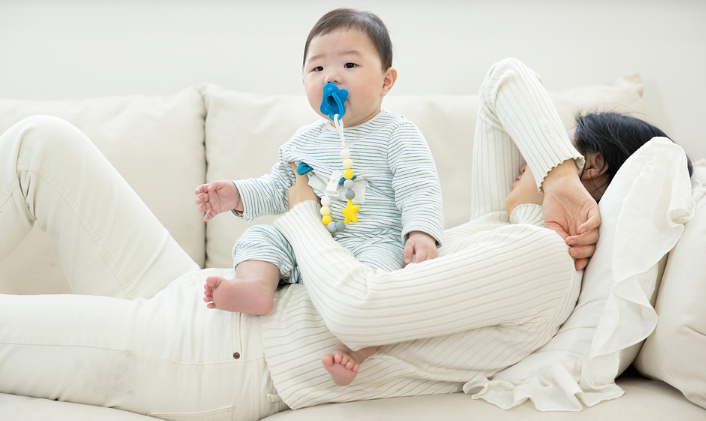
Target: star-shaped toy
(350,212)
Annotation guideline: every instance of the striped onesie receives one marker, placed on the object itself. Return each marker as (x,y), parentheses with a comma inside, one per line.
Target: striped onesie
(396,185)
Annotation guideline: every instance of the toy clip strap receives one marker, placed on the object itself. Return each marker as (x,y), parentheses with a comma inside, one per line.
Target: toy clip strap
(332,105)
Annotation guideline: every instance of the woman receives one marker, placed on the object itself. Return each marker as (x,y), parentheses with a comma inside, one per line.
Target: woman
(497,292)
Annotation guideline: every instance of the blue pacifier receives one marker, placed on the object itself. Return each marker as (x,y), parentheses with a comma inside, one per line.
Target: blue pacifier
(333,100)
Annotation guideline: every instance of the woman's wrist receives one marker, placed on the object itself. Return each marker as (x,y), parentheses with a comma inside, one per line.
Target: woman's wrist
(565,169)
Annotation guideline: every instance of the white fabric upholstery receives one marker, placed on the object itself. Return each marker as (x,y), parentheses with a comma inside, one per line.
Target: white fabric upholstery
(645,400)
(244,131)
(642,401)
(156,143)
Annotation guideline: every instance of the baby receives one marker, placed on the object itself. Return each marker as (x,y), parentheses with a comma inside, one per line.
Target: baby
(381,195)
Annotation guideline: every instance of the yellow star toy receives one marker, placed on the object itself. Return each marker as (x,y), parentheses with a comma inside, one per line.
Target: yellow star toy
(350,212)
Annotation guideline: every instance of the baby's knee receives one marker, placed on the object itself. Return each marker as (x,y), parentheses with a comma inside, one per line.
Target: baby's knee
(260,239)
(261,234)
(265,243)
(262,229)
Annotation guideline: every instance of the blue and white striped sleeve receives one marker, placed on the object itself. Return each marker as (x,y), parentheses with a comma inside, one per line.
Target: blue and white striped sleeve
(266,195)
(416,182)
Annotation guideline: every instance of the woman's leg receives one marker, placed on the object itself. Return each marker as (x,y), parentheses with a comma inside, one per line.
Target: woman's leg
(168,356)
(517,122)
(106,239)
(385,254)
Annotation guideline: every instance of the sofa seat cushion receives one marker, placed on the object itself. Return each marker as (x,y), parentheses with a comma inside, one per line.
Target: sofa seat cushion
(156,143)
(644,399)
(23,408)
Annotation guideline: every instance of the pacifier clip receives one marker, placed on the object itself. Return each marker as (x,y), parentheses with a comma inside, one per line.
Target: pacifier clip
(332,105)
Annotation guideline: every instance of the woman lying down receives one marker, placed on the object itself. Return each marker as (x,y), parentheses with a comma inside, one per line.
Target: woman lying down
(137,336)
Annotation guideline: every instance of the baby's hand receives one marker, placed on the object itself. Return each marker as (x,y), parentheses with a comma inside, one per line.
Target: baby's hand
(219,196)
(420,245)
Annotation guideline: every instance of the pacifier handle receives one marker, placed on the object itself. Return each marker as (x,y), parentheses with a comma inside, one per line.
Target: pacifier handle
(329,107)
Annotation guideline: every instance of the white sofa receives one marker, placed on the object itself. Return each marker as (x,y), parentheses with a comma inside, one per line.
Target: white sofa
(166,146)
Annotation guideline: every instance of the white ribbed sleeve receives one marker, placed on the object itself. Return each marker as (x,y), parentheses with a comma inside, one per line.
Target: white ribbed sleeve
(517,122)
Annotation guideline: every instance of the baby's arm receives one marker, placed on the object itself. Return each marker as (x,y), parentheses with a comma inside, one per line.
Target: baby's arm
(417,192)
(249,198)
(420,245)
(219,196)
(266,195)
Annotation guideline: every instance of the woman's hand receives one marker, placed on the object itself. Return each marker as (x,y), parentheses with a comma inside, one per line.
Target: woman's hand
(301,191)
(571,212)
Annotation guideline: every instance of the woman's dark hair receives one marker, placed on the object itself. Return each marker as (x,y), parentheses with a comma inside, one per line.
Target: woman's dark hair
(365,22)
(615,136)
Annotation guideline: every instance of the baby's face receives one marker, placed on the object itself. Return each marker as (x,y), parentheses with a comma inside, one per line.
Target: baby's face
(347,59)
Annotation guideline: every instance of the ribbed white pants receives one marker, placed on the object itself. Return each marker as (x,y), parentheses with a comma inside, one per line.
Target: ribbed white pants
(136,335)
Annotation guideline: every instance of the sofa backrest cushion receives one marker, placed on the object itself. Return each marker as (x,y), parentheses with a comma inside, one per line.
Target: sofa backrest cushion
(244,132)
(157,145)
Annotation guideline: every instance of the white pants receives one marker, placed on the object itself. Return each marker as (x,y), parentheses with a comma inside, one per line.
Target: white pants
(139,337)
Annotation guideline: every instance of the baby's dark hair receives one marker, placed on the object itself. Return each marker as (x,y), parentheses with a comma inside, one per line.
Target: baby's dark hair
(365,22)
(616,136)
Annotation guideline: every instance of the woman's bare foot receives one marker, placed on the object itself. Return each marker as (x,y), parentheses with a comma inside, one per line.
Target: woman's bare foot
(238,295)
(343,364)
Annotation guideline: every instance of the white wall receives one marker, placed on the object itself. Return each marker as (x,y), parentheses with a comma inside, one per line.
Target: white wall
(79,49)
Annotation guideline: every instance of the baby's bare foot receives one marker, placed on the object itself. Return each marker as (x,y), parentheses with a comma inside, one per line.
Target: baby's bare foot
(237,295)
(342,364)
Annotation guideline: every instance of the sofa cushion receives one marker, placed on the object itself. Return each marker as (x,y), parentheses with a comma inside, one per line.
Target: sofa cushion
(644,400)
(676,350)
(244,132)
(24,408)
(156,143)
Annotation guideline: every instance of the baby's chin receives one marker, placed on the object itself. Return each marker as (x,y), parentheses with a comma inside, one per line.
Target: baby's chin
(346,121)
